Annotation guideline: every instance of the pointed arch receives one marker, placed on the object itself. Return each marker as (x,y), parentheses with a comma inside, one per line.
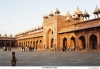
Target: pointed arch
(73,42)
(93,42)
(82,43)
(48,38)
(65,42)
(7,44)
(13,44)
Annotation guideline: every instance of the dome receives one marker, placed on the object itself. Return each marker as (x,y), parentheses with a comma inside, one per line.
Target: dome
(85,14)
(78,11)
(97,10)
(57,11)
(51,14)
(68,14)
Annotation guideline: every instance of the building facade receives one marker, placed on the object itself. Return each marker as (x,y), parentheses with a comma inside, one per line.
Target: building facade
(7,41)
(77,31)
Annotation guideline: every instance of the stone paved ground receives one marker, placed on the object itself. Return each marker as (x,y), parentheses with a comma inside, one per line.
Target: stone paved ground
(49,58)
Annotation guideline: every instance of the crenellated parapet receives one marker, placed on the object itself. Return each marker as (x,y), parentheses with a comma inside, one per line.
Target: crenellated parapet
(81,25)
(36,32)
(38,29)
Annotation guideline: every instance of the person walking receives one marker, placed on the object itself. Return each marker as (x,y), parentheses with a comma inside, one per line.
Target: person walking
(4,48)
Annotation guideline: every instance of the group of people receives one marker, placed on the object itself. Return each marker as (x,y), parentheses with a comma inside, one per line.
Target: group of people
(69,48)
(25,48)
(63,48)
(5,48)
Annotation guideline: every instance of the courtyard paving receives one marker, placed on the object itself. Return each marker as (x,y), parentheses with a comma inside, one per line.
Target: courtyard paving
(50,58)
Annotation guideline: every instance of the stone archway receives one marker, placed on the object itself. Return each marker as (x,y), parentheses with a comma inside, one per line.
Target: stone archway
(82,44)
(93,42)
(12,44)
(49,36)
(65,42)
(2,44)
(7,44)
(73,43)
(36,44)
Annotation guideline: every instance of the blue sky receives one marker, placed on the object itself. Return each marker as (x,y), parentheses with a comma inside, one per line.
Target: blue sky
(19,15)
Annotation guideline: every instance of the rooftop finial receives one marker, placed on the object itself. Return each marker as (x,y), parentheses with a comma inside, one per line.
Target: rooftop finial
(57,11)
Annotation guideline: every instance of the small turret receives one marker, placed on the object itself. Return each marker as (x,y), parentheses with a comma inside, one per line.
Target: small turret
(51,14)
(57,12)
(86,15)
(96,12)
(78,15)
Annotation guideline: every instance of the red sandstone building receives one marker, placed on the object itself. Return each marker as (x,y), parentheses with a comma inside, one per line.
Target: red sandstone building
(77,31)
(7,41)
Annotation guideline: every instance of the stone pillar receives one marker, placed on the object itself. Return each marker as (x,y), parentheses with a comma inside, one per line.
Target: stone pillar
(87,43)
(77,44)
(35,44)
(61,42)
(86,40)
(4,43)
(38,44)
(94,15)
(68,41)
(98,40)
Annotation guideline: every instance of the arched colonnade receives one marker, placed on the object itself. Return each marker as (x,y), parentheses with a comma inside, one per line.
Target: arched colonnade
(37,43)
(80,42)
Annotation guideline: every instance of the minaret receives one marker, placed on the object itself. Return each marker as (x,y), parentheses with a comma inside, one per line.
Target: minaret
(57,12)
(78,13)
(51,14)
(86,15)
(96,12)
